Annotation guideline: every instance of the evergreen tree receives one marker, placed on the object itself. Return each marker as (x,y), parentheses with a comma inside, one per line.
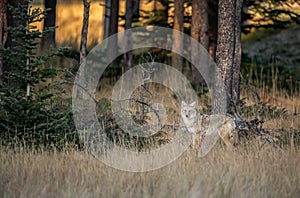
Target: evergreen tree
(30,112)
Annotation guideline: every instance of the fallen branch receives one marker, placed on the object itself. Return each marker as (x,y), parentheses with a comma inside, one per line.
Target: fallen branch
(142,103)
(256,125)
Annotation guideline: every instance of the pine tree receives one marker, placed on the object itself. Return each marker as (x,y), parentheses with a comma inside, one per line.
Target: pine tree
(29,112)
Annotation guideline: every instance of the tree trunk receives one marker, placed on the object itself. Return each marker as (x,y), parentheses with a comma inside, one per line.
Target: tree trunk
(114,17)
(199,31)
(49,21)
(107,16)
(131,8)
(84,32)
(113,27)
(237,53)
(3,35)
(213,26)
(80,93)
(111,17)
(204,24)
(128,23)
(177,39)
(228,55)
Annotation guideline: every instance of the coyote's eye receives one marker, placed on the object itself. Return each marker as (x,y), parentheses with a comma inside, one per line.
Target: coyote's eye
(191,112)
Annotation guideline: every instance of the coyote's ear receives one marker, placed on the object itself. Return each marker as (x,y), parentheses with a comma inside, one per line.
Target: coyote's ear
(183,103)
(193,104)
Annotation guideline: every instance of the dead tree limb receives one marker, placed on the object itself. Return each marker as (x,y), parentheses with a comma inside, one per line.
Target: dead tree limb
(254,126)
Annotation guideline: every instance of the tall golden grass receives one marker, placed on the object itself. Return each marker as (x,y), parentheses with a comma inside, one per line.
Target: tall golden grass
(251,172)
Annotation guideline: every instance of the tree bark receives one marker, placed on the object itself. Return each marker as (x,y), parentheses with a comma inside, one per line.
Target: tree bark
(113,27)
(177,39)
(80,93)
(3,35)
(84,32)
(237,53)
(204,23)
(199,31)
(131,8)
(49,21)
(111,17)
(114,17)
(213,26)
(128,23)
(228,55)
(107,16)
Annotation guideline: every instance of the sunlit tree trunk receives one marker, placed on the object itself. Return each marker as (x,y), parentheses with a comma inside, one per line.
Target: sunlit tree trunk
(228,55)
(80,93)
(177,39)
(84,32)
(49,21)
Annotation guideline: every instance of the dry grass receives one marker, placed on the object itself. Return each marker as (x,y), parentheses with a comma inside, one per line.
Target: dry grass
(250,171)
(247,173)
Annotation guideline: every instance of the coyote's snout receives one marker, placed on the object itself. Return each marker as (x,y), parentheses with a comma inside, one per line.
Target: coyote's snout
(201,125)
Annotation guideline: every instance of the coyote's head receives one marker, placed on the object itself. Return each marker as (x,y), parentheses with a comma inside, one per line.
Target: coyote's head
(189,115)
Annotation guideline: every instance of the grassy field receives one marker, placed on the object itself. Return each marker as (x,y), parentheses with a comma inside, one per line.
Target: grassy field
(250,172)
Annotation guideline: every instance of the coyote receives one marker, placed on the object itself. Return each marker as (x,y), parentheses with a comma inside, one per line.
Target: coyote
(198,125)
